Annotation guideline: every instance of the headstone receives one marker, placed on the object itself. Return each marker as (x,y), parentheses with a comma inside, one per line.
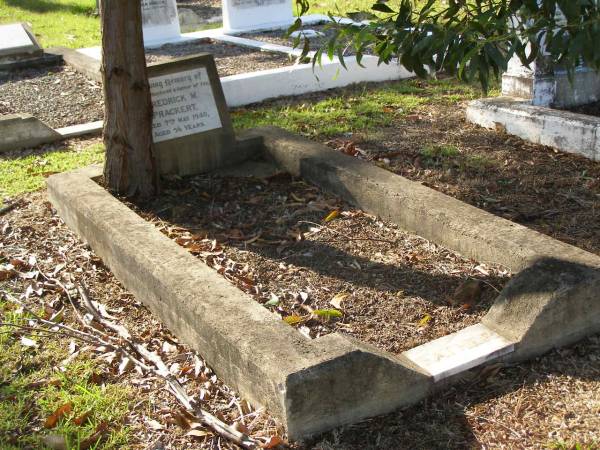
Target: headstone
(191,126)
(160,22)
(249,15)
(17,43)
(546,85)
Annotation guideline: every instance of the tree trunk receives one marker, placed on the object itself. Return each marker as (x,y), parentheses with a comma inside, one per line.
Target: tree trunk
(130,168)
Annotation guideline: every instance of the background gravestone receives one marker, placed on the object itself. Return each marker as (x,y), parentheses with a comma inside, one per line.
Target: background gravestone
(17,43)
(248,15)
(191,127)
(160,21)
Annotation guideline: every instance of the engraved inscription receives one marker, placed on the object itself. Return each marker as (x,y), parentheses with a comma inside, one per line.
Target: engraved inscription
(158,12)
(244,4)
(183,104)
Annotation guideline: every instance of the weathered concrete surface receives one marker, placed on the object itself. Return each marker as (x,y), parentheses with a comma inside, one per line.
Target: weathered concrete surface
(416,208)
(312,385)
(19,131)
(84,64)
(563,130)
(553,301)
(550,304)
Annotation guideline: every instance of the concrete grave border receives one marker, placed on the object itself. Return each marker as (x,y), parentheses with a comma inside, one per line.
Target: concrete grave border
(314,385)
(563,130)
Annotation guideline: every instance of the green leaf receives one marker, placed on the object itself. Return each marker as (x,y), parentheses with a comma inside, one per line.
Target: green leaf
(328,313)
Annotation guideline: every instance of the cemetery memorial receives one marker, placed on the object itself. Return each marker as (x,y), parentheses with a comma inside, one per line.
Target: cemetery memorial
(543,105)
(284,263)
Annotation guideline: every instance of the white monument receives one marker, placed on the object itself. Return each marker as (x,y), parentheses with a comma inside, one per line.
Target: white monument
(17,43)
(160,22)
(251,15)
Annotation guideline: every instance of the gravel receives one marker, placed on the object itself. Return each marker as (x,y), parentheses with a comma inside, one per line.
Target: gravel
(61,96)
(57,96)
(230,59)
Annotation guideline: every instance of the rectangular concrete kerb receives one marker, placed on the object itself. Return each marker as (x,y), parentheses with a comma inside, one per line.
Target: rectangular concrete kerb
(563,130)
(314,385)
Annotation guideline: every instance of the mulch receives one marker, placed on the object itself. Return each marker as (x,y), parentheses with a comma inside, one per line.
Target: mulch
(230,59)
(280,37)
(58,96)
(553,399)
(275,238)
(591,109)
(553,192)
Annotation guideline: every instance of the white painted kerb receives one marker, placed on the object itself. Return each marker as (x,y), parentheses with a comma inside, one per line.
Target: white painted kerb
(459,351)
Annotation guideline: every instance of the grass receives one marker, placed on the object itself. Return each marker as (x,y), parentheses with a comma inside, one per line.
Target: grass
(363,110)
(21,175)
(73,23)
(32,388)
(68,23)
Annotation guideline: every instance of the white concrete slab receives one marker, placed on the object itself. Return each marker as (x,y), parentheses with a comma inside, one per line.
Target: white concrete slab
(459,351)
(80,130)
(15,40)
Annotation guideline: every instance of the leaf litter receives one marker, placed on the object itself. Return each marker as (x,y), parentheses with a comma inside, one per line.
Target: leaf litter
(320,264)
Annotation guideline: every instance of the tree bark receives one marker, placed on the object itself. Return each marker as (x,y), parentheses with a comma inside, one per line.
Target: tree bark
(130,168)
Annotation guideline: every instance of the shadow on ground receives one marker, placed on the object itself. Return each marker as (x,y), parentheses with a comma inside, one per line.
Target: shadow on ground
(46,6)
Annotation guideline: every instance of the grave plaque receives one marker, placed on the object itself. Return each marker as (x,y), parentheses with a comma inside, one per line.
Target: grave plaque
(160,21)
(248,15)
(17,43)
(191,127)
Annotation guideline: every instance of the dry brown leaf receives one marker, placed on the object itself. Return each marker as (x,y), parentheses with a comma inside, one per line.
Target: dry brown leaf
(338,298)
(467,294)
(155,425)
(274,441)
(198,433)
(53,419)
(80,420)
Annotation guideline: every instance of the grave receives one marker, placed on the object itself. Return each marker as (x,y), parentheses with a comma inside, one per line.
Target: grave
(532,102)
(160,22)
(19,48)
(191,127)
(248,15)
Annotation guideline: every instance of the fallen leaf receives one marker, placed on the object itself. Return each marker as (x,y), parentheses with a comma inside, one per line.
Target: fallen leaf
(198,433)
(273,301)
(273,442)
(467,294)
(53,419)
(425,320)
(80,420)
(125,366)
(26,342)
(155,425)
(338,298)
(332,215)
(327,313)
(55,442)
(293,319)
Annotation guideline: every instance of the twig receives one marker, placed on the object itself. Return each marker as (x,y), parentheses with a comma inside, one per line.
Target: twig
(345,236)
(8,208)
(173,385)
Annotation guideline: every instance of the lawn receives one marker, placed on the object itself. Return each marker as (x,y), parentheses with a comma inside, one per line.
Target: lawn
(68,23)
(73,23)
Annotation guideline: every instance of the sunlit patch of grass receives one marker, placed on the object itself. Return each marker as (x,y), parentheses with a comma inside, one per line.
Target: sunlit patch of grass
(67,23)
(20,175)
(32,387)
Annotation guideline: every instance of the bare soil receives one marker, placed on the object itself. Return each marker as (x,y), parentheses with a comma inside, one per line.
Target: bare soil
(230,59)
(269,237)
(58,96)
